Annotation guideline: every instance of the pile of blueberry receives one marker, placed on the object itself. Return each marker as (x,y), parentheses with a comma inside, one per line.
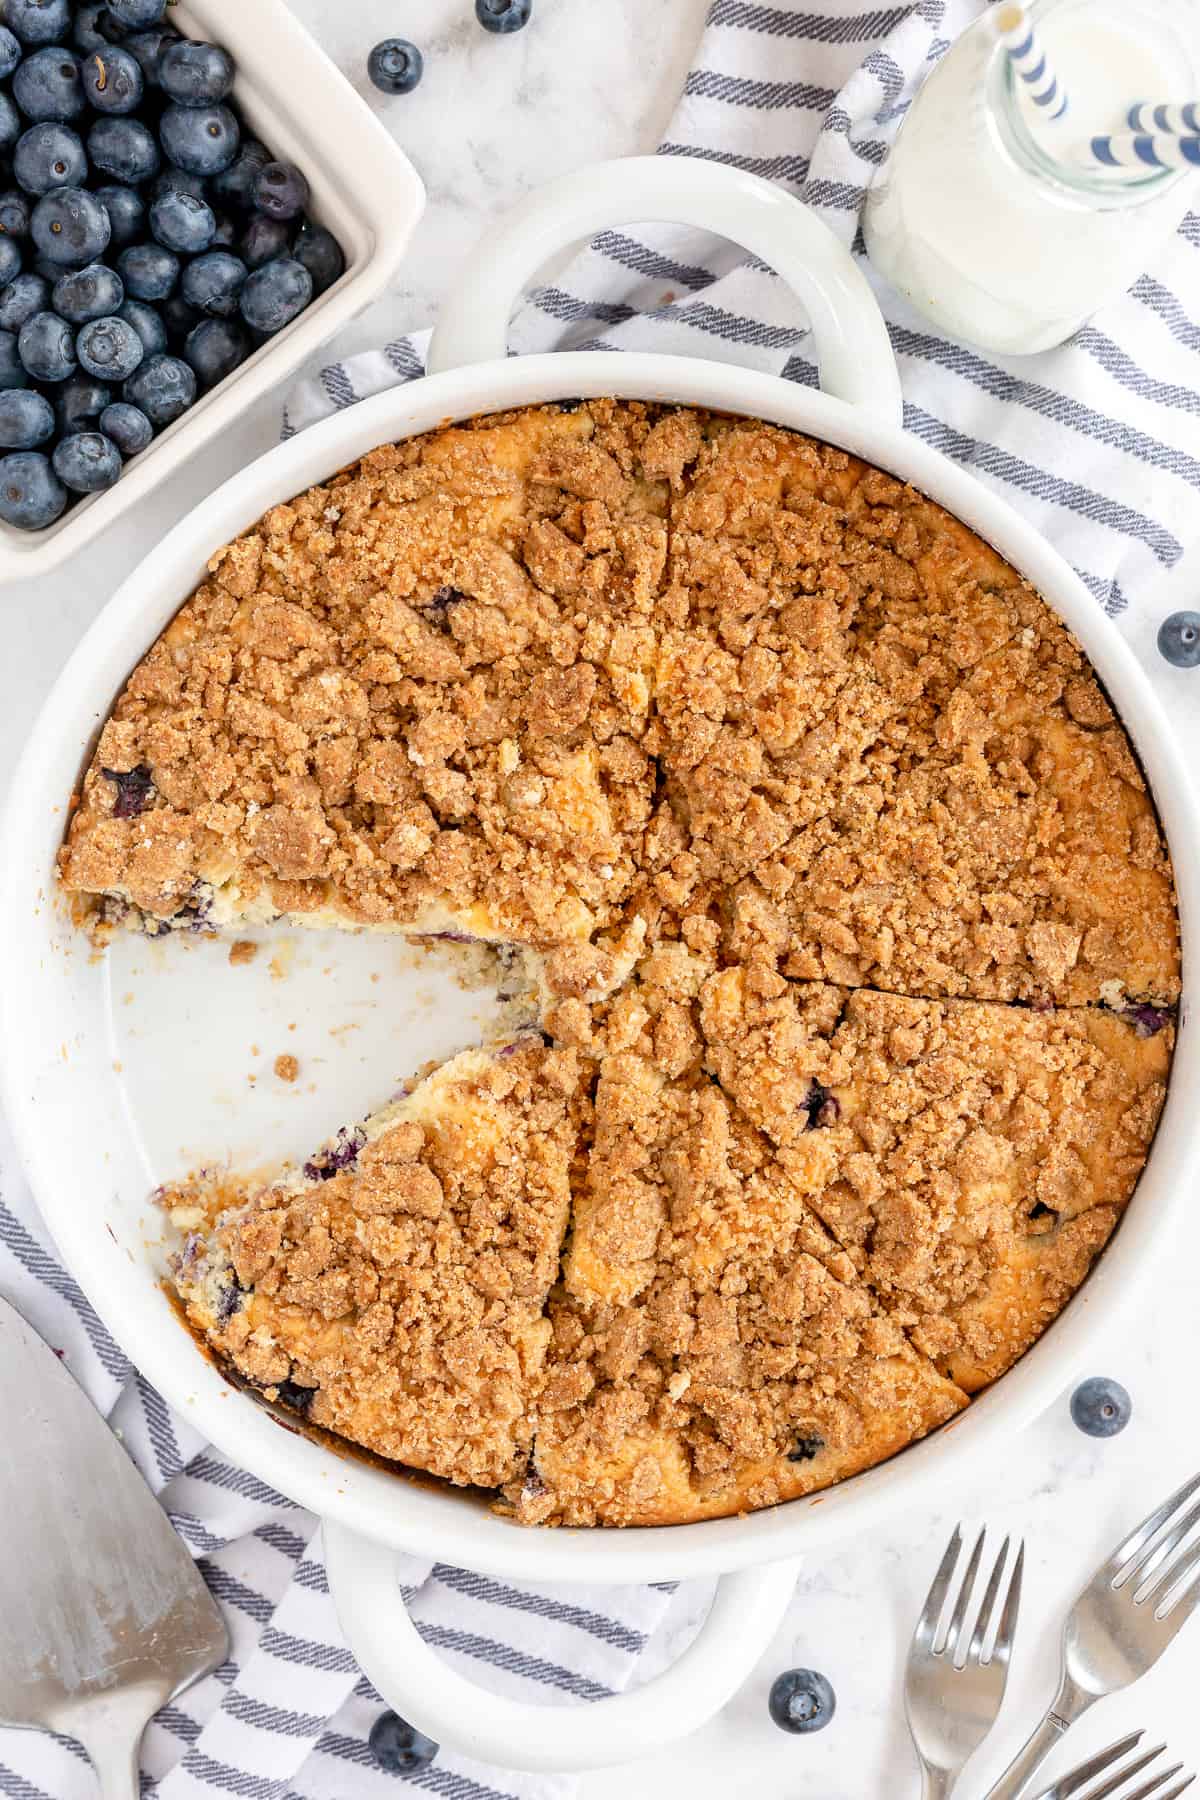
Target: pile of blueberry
(146,245)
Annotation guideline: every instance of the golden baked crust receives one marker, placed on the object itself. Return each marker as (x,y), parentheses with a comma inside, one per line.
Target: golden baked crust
(396,1292)
(853,931)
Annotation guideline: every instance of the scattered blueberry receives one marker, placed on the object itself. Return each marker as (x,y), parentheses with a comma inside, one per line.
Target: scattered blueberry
(31,495)
(195,74)
(395,66)
(148,49)
(234,186)
(503,15)
(212,283)
(149,271)
(126,213)
(10,52)
(318,251)
(10,260)
(112,80)
(87,462)
(26,418)
(127,426)
(21,299)
(264,240)
(14,214)
(214,348)
(182,222)
(48,156)
(146,323)
(124,149)
(1179,639)
(135,15)
(281,191)
(46,347)
(1101,1407)
(38,21)
(163,387)
(92,292)
(69,226)
(11,124)
(802,1701)
(274,295)
(202,139)
(225,234)
(47,86)
(396,1745)
(109,349)
(13,373)
(79,402)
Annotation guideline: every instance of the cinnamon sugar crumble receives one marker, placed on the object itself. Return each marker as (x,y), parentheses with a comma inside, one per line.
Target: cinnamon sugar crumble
(286,1067)
(841,901)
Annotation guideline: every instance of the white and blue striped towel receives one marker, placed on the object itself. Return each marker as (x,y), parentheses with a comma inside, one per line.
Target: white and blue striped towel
(1094,442)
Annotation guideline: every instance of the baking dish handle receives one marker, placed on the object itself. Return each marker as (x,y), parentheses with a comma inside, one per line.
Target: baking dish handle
(853,352)
(490,1728)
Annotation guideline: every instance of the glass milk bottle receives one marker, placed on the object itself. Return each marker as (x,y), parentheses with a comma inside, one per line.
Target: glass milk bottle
(997,221)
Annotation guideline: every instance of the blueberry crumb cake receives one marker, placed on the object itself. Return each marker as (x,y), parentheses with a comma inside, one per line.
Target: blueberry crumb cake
(846,928)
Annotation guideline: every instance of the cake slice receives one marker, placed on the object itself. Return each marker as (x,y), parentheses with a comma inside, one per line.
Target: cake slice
(411,698)
(713,1349)
(394,1290)
(889,762)
(973,1159)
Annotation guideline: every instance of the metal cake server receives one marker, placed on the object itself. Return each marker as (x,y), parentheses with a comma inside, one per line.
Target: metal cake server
(103,1615)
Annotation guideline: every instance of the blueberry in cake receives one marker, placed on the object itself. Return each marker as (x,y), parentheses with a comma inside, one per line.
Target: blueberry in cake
(849,931)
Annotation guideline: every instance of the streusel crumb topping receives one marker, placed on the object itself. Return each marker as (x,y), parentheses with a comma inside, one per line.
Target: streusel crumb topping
(851,925)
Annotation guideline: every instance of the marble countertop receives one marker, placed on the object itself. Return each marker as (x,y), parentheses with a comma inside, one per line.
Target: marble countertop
(490,118)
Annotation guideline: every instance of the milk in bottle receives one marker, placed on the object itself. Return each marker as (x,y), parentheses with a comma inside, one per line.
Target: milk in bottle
(995,220)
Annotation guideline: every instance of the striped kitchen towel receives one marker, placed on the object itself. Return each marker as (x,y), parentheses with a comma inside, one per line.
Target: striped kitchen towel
(1094,442)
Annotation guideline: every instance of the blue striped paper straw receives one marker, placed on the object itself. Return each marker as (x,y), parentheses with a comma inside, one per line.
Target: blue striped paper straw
(1147,150)
(1029,60)
(1168,116)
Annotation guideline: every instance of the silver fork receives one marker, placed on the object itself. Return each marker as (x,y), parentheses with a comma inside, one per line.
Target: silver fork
(1119,1626)
(1068,1787)
(952,1696)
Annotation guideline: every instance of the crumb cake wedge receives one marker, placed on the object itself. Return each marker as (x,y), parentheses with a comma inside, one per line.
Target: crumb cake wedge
(884,745)
(410,698)
(973,1159)
(712,1350)
(394,1291)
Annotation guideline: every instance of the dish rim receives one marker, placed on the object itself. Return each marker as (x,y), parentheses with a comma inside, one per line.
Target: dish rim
(445,1522)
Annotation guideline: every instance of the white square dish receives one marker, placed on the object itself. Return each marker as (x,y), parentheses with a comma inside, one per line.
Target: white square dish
(364,189)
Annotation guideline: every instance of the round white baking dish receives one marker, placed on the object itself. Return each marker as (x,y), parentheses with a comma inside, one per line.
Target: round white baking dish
(82,1142)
